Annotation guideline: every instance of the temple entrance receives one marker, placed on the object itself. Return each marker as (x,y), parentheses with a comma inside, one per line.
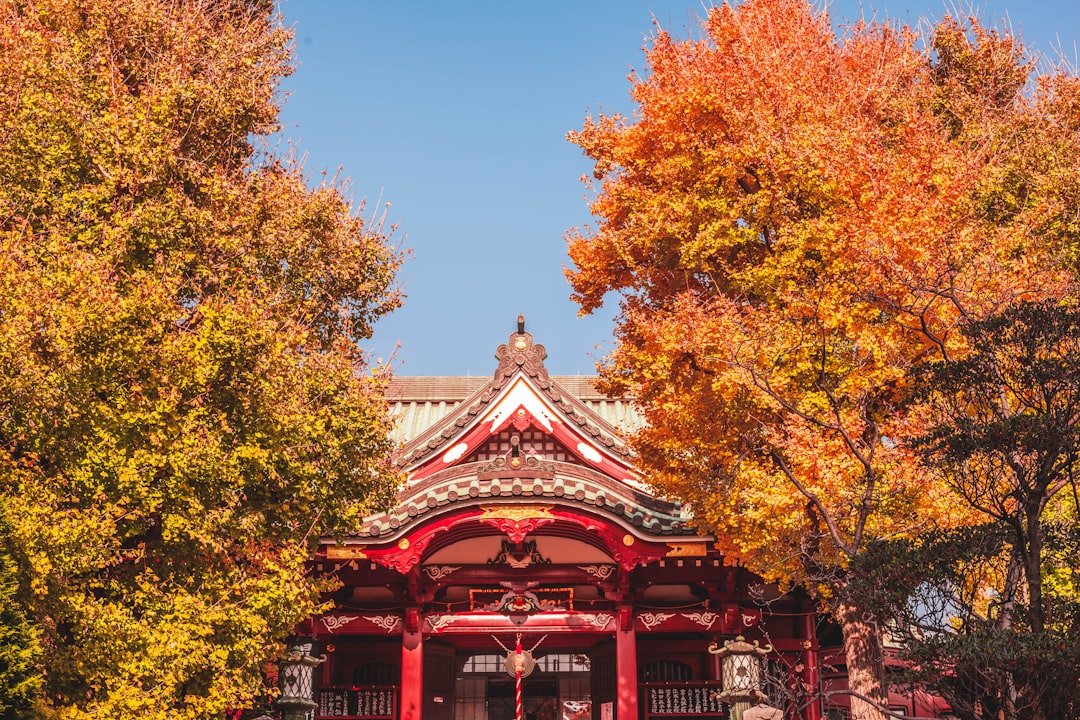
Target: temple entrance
(558,689)
(541,699)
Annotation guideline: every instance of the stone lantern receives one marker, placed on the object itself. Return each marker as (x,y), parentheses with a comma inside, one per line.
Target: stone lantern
(740,670)
(296,680)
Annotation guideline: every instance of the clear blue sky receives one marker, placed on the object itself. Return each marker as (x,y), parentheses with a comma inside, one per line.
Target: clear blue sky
(457,112)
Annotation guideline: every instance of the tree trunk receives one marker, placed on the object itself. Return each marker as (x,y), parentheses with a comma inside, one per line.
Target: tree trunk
(865,662)
(1013,576)
(1033,564)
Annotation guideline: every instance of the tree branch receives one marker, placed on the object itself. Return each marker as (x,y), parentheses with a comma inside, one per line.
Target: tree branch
(830,523)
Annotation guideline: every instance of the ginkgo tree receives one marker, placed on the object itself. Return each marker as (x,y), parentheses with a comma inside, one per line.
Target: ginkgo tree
(184,407)
(794,218)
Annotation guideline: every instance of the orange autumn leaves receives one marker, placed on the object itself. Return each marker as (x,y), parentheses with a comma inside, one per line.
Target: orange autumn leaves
(793,218)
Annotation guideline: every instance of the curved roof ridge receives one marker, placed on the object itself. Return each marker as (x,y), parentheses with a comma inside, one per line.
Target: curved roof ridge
(455,388)
(519,356)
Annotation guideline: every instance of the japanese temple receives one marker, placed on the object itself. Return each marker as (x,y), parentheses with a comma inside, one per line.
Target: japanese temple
(524,524)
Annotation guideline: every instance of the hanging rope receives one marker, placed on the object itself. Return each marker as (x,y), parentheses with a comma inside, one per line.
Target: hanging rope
(519,703)
(542,639)
(517,660)
(508,650)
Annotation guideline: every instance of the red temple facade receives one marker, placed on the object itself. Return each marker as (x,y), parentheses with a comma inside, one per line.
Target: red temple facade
(523,517)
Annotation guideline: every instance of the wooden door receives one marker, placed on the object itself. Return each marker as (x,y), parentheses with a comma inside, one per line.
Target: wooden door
(440,674)
(603,677)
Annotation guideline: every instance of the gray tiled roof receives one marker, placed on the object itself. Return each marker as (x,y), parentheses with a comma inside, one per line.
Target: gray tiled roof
(418,402)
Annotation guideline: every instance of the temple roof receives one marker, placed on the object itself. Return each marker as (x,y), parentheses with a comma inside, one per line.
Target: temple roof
(519,443)
(418,402)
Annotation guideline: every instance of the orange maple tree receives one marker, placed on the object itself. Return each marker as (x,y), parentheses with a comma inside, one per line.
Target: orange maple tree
(794,218)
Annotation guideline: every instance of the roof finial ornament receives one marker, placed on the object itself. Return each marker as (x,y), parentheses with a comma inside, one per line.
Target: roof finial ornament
(520,353)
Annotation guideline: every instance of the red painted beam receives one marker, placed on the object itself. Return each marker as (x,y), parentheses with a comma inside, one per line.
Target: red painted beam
(729,619)
(358,623)
(564,622)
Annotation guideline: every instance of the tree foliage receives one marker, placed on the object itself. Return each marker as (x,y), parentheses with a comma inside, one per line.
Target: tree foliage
(1004,426)
(992,619)
(183,404)
(20,675)
(793,219)
(952,600)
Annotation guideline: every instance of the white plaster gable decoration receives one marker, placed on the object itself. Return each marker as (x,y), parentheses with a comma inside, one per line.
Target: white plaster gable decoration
(521,394)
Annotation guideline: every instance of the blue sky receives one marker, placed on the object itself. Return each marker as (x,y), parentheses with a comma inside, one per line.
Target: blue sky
(456,113)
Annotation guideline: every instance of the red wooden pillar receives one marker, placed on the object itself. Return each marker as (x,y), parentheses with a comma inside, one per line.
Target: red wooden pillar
(412,668)
(811,668)
(626,669)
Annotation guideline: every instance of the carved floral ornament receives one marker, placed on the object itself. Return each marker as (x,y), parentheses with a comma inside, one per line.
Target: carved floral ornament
(501,464)
(525,603)
(516,521)
(334,622)
(600,572)
(705,619)
(597,620)
(651,620)
(438,622)
(519,555)
(387,622)
(438,572)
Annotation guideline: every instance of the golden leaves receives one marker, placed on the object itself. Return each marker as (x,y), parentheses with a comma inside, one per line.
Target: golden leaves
(183,404)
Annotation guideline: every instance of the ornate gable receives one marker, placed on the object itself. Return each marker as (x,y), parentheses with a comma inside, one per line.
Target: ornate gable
(521,394)
(522,455)
(528,443)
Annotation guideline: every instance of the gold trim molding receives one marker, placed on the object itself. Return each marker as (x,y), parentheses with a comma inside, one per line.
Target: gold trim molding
(688,549)
(344,552)
(516,512)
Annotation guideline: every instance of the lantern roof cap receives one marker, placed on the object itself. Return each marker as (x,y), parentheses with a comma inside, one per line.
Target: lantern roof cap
(739,646)
(298,655)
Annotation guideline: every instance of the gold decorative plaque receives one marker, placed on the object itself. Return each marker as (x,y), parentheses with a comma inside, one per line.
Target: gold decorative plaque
(516,512)
(344,552)
(688,549)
